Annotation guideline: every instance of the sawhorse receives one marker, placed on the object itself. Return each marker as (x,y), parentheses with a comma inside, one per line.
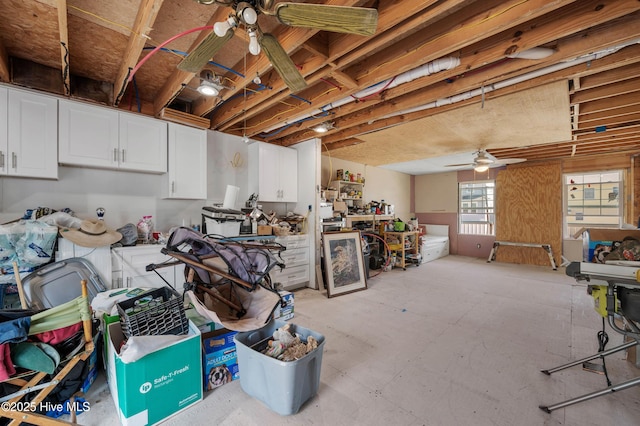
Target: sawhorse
(546,247)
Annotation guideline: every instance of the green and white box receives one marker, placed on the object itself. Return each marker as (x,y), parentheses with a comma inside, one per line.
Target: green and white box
(158,385)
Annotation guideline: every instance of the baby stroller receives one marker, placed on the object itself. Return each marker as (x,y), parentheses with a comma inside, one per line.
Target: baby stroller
(227,281)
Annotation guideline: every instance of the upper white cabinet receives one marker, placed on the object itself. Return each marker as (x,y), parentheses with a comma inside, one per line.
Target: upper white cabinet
(143,143)
(273,172)
(93,136)
(28,134)
(187,174)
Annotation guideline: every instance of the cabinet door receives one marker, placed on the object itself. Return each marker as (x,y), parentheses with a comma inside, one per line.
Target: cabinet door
(143,143)
(288,175)
(132,262)
(88,135)
(3,131)
(273,172)
(32,135)
(187,172)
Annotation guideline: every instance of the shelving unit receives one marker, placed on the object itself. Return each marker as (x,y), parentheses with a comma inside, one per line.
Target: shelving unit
(353,190)
(404,245)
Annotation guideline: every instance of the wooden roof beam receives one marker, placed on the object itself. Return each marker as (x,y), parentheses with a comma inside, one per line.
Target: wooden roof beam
(4,64)
(64,45)
(147,13)
(608,91)
(628,72)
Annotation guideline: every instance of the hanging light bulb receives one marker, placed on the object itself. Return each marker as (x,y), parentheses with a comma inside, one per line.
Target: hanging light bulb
(221,28)
(249,14)
(254,46)
(257,79)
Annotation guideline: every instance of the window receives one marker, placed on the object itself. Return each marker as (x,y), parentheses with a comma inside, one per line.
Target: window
(592,200)
(476,207)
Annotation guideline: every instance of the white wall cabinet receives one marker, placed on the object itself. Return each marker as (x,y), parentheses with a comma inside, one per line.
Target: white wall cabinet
(93,136)
(186,177)
(28,134)
(273,172)
(129,268)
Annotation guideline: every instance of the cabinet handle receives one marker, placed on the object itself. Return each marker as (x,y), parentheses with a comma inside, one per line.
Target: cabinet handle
(14,160)
(173,186)
(128,281)
(2,159)
(115,155)
(123,156)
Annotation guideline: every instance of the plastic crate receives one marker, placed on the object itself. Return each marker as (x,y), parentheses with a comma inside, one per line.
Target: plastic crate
(282,386)
(156,312)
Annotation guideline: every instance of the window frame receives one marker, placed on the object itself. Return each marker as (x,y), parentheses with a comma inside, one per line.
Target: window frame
(600,187)
(466,227)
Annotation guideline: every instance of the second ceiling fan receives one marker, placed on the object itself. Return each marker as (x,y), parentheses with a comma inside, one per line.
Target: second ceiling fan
(343,19)
(483,161)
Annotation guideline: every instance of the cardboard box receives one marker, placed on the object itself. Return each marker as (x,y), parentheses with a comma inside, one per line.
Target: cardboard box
(264,229)
(219,359)
(597,242)
(157,385)
(285,313)
(205,325)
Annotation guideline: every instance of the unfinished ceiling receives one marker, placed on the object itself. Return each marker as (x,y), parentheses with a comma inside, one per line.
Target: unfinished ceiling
(437,77)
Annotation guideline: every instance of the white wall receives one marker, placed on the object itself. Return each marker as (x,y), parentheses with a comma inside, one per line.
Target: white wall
(380,184)
(127,196)
(437,192)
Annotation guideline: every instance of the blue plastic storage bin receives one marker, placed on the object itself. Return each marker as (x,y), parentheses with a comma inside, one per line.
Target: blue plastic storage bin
(282,386)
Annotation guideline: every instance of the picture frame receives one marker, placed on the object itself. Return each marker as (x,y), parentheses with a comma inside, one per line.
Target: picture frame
(343,263)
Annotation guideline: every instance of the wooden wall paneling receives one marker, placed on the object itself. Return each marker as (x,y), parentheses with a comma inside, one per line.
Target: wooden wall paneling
(529,210)
(635,189)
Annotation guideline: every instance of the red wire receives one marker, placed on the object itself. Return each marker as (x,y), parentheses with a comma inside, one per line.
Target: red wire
(161,45)
(375,93)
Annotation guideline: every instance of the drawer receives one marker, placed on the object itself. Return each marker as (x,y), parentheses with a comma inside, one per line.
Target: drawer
(434,252)
(294,241)
(295,257)
(289,276)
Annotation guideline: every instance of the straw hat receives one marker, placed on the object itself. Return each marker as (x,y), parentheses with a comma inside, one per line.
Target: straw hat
(92,233)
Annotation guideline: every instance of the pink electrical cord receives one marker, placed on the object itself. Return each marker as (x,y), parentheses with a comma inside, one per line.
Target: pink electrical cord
(164,43)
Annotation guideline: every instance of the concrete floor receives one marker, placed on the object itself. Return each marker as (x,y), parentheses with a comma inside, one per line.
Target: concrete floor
(457,341)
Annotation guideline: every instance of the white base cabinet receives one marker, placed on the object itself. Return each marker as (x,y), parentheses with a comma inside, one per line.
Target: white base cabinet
(296,260)
(129,268)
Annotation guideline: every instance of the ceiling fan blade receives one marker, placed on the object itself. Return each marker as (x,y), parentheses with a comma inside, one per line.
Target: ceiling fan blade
(460,165)
(504,161)
(204,52)
(340,19)
(282,63)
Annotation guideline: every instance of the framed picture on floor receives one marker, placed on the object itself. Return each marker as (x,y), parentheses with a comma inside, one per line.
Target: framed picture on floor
(343,263)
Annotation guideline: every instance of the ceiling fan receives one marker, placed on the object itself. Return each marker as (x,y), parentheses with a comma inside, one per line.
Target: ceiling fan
(483,161)
(343,19)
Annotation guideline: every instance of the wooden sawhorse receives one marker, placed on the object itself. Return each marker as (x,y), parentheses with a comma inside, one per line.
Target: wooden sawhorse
(546,247)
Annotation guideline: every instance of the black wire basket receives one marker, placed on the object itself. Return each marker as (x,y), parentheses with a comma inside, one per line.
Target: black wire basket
(156,312)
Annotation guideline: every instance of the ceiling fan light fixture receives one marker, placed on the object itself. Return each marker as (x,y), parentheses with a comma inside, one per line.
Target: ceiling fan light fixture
(480,168)
(247,13)
(323,127)
(254,46)
(208,88)
(221,28)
